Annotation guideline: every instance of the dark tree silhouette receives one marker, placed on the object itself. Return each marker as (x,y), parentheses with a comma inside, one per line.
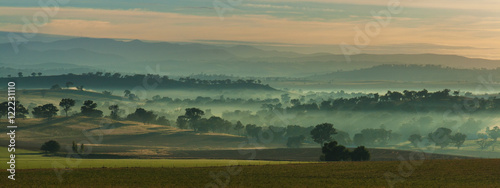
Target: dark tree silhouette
(493,133)
(114,111)
(50,147)
(415,139)
(20,74)
(323,133)
(46,111)
(142,115)
(360,154)
(66,105)
(182,122)
(334,152)
(55,87)
(89,109)
(440,137)
(238,127)
(458,139)
(21,111)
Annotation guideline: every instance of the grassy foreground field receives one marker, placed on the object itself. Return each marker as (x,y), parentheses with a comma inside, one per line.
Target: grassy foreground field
(431,173)
(26,159)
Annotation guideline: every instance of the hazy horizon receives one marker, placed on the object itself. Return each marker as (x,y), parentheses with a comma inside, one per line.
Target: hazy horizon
(308,26)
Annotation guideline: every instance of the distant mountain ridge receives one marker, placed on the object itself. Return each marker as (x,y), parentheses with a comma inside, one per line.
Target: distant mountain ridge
(193,58)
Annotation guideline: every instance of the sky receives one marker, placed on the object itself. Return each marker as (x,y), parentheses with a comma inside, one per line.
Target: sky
(462,27)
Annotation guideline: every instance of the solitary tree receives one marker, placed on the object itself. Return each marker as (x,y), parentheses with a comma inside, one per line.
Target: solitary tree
(46,111)
(415,139)
(440,137)
(493,133)
(114,111)
(458,139)
(50,147)
(323,133)
(74,147)
(66,105)
(33,74)
(39,74)
(20,74)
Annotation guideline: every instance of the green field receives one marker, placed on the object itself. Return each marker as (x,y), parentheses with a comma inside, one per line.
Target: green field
(34,160)
(431,173)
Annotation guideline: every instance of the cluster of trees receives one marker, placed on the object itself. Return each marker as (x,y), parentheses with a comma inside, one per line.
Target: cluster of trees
(331,149)
(20,74)
(192,119)
(441,137)
(51,146)
(393,100)
(117,80)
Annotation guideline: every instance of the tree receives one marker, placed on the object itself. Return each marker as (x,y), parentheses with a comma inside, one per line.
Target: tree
(107,93)
(46,111)
(142,115)
(484,144)
(253,130)
(80,88)
(114,111)
(50,147)
(415,139)
(238,127)
(360,154)
(74,147)
(493,133)
(440,137)
(21,111)
(334,152)
(182,122)
(162,120)
(82,148)
(295,141)
(89,109)
(193,115)
(127,93)
(458,139)
(39,74)
(69,84)
(66,105)
(323,133)
(20,74)
(33,74)
(55,87)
